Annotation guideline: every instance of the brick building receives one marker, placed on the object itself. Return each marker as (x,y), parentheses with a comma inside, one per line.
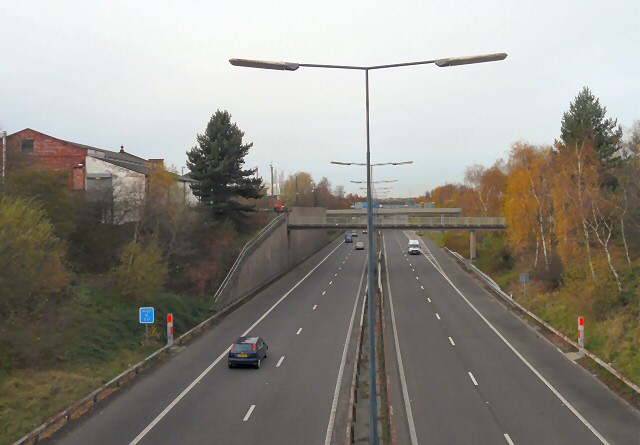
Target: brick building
(118,174)
(46,152)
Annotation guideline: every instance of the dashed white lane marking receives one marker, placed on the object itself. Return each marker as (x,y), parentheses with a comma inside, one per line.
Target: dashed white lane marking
(339,268)
(451,340)
(324,292)
(524,360)
(429,299)
(413,269)
(509,441)
(335,275)
(417,278)
(197,380)
(410,265)
(246,417)
(299,330)
(437,316)
(473,379)
(315,306)
(421,287)
(330,282)
(279,362)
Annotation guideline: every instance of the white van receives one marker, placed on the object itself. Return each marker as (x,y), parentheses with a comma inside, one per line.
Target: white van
(414,247)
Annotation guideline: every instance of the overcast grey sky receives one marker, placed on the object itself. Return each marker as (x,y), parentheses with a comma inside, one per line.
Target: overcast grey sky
(149,74)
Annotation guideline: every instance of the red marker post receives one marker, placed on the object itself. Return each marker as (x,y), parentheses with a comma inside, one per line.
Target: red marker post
(581,332)
(169,329)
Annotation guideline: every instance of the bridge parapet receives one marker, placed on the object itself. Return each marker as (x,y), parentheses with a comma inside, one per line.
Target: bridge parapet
(399,221)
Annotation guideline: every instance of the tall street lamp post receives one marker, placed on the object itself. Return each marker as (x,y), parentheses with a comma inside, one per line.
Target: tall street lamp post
(290,66)
(4,153)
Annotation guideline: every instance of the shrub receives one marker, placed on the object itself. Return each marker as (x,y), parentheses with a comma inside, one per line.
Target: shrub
(32,258)
(141,273)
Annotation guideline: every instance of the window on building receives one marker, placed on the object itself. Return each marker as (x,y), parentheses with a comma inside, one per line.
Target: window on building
(27,146)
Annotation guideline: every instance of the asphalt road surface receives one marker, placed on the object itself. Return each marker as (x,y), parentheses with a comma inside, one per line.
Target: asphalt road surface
(470,372)
(298,396)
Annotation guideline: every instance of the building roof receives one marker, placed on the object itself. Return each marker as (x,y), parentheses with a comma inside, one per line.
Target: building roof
(139,168)
(120,158)
(101,153)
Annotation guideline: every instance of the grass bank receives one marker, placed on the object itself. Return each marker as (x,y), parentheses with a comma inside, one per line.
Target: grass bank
(88,340)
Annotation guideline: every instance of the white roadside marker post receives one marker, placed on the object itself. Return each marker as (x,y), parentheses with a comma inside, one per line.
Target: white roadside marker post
(581,332)
(169,329)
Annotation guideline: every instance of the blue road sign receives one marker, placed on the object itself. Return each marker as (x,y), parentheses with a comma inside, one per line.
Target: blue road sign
(147,315)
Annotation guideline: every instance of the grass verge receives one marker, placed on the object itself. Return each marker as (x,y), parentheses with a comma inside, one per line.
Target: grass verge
(88,340)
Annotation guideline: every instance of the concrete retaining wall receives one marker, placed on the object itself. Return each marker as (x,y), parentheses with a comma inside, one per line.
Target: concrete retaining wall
(269,256)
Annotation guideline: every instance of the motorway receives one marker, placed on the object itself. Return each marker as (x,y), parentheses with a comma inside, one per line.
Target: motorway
(464,370)
(467,371)
(300,393)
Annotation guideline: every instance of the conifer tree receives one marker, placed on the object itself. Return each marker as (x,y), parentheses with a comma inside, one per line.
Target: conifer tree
(216,163)
(585,123)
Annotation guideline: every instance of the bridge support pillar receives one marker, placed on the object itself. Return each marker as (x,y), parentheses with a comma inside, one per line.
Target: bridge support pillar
(472,245)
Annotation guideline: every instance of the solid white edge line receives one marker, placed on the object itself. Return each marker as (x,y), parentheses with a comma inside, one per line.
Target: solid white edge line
(279,362)
(246,417)
(452,342)
(524,360)
(403,380)
(299,330)
(221,356)
(336,392)
(473,379)
(509,441)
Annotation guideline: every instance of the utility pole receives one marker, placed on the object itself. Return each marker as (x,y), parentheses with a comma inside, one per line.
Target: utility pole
(271,198)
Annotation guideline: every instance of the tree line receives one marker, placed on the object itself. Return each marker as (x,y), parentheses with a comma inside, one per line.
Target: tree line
(572,207)
(53,238)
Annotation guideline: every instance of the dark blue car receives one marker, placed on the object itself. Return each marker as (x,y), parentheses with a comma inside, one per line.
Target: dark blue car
(348,238)
(248,351)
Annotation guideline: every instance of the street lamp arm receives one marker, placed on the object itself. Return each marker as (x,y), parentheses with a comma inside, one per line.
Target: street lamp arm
(342,163)
(265,64)
(396,65)
(372,165)
(455,61)
(375,182)
(291,66)
(401,163)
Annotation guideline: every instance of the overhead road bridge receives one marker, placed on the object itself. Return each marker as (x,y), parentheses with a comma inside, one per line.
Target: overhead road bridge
(399,222)
(429,211)
(407,219)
